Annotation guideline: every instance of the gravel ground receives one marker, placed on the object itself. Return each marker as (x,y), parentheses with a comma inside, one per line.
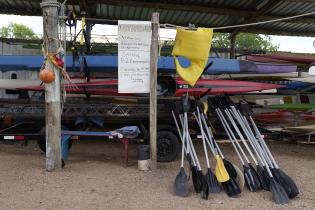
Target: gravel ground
(95,178)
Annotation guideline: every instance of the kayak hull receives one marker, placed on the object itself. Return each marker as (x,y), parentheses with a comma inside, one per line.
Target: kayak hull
(167,87)
(109,64)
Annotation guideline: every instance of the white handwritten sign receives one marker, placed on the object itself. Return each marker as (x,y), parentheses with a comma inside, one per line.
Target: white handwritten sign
(134,41)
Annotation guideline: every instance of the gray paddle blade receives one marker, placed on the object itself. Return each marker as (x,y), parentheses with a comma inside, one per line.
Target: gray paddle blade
(278,193)
(251,179)
(181,183)
(231,187)
(230,168)
(278,178)
(262,177)
(294,190)
(212,181)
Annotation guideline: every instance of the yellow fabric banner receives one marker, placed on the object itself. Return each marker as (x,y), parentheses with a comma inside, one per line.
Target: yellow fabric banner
(194,46)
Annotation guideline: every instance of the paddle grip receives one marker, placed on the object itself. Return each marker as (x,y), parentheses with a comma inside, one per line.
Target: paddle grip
(245,108)
(211,103)
(186,103)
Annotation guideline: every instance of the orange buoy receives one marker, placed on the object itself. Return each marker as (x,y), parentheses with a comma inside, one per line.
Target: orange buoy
(47,75)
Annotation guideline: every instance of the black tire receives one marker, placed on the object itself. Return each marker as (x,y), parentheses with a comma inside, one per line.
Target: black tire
(41,141)
(168,146)
(168,127)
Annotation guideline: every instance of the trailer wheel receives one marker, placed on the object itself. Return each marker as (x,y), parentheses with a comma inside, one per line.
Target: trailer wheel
(168,146)
(41,141)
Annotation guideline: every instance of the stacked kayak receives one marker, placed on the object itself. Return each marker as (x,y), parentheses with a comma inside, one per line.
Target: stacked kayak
(283,116)
(109,64)
(285,58)
(167,87)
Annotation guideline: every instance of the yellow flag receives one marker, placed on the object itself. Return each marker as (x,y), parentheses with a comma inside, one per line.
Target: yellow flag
(194,46)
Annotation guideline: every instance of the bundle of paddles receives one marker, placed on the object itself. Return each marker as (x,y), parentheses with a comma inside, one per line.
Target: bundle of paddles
(260,169)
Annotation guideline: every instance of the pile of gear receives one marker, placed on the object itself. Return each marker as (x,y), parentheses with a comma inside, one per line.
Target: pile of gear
(260,170)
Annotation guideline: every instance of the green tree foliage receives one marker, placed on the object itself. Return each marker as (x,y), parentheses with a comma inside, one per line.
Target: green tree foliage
(17,31)
(245,41)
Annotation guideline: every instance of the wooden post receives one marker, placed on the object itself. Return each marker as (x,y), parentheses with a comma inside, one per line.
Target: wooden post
(52,90)
(232,45)
(153,83)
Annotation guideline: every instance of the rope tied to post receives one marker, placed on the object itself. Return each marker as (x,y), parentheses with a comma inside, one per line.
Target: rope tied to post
(50,4)
(57,59)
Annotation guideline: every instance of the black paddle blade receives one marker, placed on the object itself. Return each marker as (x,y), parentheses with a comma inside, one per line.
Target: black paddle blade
(286,182)
(230,168)
(267,177)
(258,181)
(196,179)
(279,195)
(204,186)
(194,175)
(213,184)
(251,180)
(231,187)
(263,181)
(181,183)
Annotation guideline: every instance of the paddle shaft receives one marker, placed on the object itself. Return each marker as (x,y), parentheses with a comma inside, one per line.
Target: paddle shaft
(185,142)
(240,135)
(262,141)
(268,169)
(210,144)
(256,143)
(210,136)
(182,160)
(203,138)
(234,138)
(229,132)
(246,131)
(189,142)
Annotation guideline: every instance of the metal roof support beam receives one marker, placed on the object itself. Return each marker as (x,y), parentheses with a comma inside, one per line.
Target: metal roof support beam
(261,11)
(84,7)
(201,9)
(177,6)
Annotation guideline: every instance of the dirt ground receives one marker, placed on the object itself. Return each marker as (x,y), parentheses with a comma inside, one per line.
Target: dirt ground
(95,178)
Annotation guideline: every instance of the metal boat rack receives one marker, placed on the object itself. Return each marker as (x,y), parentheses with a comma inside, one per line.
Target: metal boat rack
(78,107)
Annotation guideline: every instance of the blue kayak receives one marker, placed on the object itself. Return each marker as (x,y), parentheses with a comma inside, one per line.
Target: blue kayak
(294,85)
(109,64)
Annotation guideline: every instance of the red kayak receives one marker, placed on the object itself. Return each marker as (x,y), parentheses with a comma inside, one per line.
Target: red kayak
(167,87)
(280,117)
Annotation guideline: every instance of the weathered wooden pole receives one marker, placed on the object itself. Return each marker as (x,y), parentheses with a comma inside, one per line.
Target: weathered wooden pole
(153,83)
(52,90)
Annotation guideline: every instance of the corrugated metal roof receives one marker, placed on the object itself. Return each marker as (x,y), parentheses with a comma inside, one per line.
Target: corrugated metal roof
(207,13)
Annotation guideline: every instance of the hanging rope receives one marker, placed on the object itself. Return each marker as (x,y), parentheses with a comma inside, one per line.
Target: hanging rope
(171,26)
(56,58)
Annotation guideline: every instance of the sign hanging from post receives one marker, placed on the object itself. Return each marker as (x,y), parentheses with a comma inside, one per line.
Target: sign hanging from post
(134,43)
